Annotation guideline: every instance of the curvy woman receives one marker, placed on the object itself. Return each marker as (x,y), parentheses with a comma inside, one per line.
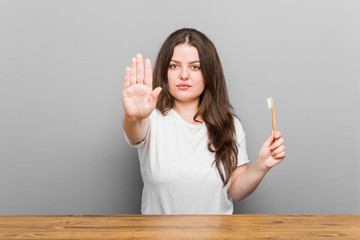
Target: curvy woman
(191,146)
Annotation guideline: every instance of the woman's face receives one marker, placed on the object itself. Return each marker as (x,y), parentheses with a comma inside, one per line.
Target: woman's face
(186,82)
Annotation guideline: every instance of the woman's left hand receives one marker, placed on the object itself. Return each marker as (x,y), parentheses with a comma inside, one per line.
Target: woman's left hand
(272,152)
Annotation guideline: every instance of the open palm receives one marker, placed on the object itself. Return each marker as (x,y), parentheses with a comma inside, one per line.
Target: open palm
(139,99)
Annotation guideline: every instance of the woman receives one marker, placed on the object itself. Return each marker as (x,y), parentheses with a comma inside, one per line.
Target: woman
(191,146)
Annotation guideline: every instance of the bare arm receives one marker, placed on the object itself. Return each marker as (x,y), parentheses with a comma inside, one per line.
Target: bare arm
(135,130)
(138,97)
(245,180)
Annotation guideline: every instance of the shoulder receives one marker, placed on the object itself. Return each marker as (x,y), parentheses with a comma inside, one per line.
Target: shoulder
(156,116)
(155,113)
(159,120)
(239,130)
(237,124)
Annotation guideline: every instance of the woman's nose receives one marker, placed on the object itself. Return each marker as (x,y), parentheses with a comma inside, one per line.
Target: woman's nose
(184,74)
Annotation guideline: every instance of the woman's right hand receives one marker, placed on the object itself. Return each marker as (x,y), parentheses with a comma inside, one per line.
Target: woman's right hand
(139,99)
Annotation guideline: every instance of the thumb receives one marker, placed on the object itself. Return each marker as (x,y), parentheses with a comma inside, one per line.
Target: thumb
(269,141)
(154,96)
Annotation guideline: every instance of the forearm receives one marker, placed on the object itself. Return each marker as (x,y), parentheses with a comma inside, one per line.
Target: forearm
(135,129)
(246,182)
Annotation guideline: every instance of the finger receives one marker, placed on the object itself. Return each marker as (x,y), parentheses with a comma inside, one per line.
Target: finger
(139,68)
(154,96)
(280,156)
(133,72)
(277,144)
(126,78)
(148,73)
(277,135)
(278,150)
(268,142)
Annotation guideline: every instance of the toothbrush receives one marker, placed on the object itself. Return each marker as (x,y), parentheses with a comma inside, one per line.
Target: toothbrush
(270,103)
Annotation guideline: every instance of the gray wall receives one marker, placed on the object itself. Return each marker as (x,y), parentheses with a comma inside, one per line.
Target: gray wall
(62,149)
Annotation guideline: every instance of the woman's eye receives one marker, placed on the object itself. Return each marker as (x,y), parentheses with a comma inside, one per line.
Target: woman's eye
(173,66)
(195,67)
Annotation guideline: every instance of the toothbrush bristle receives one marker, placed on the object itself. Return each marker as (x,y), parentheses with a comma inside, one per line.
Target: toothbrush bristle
(269,103)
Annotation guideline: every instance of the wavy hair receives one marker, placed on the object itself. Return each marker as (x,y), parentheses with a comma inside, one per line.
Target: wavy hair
(214,106)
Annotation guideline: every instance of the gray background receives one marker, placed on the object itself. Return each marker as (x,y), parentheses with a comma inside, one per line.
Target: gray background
(62,149)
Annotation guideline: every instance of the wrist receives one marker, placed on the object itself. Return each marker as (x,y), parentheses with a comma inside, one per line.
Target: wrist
(132,119)
(260,167)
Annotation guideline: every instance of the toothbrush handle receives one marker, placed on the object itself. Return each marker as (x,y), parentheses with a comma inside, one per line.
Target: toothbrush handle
(274,121)
(273,118)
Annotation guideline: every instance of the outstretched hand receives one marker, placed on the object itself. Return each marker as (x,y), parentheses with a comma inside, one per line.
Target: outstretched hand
(139,99)
(272,152)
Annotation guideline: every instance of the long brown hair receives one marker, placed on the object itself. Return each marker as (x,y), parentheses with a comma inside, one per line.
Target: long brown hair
(214,106)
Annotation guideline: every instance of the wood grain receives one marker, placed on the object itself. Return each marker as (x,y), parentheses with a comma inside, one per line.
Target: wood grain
(181,227)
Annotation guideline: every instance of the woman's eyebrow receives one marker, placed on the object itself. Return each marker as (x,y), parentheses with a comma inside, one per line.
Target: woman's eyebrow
(173,60)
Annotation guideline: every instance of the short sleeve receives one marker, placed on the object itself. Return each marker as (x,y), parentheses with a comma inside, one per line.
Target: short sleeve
(241,140)
(137,144)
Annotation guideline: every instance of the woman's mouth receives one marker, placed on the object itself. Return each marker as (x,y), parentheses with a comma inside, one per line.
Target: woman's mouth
(183,86)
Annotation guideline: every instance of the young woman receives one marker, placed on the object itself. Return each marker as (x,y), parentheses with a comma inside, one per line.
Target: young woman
(191,146)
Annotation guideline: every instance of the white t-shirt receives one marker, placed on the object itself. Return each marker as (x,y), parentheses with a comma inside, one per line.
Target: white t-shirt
(177,171)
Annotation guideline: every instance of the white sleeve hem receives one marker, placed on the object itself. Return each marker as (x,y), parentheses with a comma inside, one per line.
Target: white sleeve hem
(137,144)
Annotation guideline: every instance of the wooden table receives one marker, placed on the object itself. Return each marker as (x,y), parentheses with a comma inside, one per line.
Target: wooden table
(181,227)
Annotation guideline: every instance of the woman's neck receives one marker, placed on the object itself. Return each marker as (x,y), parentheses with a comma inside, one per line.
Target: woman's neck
(187,111)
